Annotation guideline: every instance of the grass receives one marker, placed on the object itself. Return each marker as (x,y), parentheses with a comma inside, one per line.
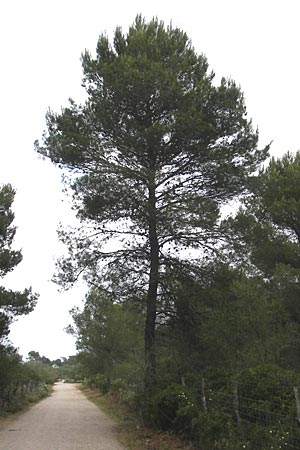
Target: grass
(131,434)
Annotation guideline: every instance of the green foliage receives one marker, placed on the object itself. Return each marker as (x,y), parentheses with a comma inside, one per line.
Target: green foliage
(217,431)
(35,356)
(225,320)
(100,382)
(253,325)
(269,223)
(280,194)
(70,369)
(171,408)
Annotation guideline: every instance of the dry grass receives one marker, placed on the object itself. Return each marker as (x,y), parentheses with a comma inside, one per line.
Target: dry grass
(130,433)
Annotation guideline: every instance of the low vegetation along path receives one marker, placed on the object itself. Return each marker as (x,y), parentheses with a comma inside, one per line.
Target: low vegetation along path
(64,421)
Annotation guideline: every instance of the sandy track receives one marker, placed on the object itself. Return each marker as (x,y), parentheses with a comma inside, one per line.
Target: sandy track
(64,421)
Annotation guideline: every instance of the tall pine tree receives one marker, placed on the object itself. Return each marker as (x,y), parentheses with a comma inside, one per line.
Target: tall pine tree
(155,150)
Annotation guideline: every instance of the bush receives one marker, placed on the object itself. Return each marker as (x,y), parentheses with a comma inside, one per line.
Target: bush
(100,381)
(171,408)
(216,430)
(25,396)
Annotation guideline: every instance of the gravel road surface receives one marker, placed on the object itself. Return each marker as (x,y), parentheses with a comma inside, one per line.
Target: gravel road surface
(64,421)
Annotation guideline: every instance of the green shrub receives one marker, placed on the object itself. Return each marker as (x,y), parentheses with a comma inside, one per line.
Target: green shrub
(216,430)
(101,382)
(25,397)
(171,408)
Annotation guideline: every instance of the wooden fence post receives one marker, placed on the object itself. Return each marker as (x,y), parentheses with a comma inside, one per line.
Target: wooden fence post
(296,393)
(236,402)
(203,395)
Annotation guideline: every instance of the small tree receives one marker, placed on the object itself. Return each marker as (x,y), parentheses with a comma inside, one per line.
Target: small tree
(12,303)
(157,148)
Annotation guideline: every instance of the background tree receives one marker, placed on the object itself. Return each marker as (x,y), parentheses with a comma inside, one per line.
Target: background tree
(269,221)
(157,148)
(71,369)
(40,372)
(12,303)
(223,320)
(35,356)
(266,236)
(107,334)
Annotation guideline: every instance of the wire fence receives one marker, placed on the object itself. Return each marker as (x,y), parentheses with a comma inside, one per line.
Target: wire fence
(263,417)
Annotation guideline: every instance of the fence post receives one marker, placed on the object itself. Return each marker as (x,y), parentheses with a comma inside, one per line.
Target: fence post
(236,402)
(203,395)
(296,393)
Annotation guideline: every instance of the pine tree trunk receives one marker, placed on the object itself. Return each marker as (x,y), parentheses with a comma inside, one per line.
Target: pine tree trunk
(150,354)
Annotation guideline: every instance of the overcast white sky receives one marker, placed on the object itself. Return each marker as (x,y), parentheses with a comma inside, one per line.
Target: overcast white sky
(255,42)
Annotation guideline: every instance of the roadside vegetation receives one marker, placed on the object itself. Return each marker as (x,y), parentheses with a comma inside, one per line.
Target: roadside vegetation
(19,383)
(131,432)
(22,383)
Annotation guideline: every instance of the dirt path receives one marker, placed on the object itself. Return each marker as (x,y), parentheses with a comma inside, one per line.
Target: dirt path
(64,421)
